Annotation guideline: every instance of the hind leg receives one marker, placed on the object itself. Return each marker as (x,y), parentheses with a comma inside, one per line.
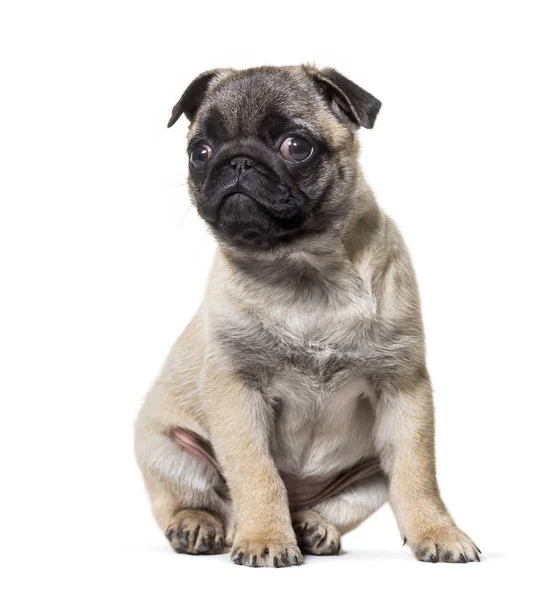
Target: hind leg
(186,498)
(319,530)
(314,534)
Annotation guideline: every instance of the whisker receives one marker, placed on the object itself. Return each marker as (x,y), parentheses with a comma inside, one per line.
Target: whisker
(184,216)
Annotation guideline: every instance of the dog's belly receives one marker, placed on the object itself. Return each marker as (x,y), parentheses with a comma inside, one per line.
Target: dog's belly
(321,428)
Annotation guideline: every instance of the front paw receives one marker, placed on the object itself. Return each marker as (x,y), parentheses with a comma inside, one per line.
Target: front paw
(266,553)
(444,544)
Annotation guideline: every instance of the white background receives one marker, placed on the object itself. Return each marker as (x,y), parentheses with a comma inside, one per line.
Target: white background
(103,264)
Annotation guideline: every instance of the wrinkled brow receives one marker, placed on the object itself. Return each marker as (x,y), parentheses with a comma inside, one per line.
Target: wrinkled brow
(213,126)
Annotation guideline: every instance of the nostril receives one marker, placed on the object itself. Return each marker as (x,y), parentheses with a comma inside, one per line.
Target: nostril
(241,163)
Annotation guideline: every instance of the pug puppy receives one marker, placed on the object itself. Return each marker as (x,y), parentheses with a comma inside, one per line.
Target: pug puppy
(297,400)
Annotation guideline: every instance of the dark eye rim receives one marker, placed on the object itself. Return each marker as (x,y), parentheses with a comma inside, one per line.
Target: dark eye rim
(193,147)
(296,135)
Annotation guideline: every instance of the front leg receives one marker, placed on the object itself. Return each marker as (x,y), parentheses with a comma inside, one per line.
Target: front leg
(405,439)
(240,423)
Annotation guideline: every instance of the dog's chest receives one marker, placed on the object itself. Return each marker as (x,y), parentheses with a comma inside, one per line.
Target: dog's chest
(312,365)
(325,403)
(321,429)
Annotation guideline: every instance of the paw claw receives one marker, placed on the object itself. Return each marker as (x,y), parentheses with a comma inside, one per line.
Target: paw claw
(195,534)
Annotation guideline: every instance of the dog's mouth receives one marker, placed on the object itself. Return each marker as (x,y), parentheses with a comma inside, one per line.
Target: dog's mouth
(232,196)
(253,214)
(285,209)
(236,202)
(238,206)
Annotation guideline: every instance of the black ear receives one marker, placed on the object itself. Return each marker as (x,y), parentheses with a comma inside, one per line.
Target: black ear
(346,98)
(192,97)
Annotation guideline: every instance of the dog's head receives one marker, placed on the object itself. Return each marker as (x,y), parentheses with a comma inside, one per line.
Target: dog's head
(272,151)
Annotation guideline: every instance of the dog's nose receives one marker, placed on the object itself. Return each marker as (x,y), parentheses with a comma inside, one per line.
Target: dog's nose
(240,164)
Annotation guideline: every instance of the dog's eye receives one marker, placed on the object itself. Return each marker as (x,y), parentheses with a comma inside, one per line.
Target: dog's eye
(200,155)
(296,149)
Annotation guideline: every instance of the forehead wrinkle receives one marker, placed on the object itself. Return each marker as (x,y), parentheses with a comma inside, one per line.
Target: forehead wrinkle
(244,109)
(309,125)
(244,116)
(248,96)
(244,98)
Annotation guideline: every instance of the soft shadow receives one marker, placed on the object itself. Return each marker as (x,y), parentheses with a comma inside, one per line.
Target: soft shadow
(375,555)
(399,555)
